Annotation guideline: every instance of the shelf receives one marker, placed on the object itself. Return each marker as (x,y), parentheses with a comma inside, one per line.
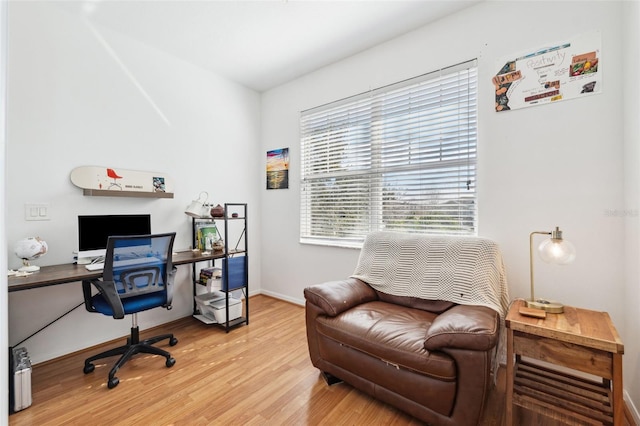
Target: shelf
(234,251)
(232,323)
(139,194)
(560,395)
(192,256)
(228,256)
(218,218)
(204,319)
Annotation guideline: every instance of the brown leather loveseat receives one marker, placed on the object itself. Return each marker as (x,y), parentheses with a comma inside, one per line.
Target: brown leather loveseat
(432,356)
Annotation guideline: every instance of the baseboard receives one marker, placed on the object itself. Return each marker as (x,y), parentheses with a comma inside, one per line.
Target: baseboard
(279,296)
(631,411)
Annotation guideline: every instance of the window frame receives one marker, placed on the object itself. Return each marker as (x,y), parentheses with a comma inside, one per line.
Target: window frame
(364,114)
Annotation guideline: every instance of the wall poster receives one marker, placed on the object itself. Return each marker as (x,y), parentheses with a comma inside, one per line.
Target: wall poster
(278,169)
(567,70)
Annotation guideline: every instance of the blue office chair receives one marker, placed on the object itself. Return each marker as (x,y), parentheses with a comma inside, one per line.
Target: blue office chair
(138,275)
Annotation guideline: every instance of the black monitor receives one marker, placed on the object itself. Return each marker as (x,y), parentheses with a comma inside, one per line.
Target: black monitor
(94,231)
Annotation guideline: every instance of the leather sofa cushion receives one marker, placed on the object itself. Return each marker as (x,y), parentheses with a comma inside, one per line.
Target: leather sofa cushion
(393,333)
(464,327)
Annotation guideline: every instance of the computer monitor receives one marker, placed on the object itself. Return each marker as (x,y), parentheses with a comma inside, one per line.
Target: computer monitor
(94,231)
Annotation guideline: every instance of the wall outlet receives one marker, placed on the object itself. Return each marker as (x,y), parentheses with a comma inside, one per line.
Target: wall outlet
(37,211)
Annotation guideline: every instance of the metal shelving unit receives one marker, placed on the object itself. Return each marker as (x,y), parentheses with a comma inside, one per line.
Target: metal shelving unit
(235,229)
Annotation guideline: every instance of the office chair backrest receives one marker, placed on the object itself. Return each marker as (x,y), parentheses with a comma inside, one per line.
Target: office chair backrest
(139,264)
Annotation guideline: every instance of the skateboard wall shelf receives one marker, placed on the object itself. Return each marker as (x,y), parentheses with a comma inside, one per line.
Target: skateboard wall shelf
(100,181)
(139,194)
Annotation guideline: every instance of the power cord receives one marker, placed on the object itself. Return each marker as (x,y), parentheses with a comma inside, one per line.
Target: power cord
(55,320)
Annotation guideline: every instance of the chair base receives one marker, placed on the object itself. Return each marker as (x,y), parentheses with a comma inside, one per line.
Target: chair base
(133,347)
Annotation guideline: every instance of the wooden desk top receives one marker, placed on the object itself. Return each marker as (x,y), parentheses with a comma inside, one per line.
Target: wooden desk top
(69,272)
(583,327)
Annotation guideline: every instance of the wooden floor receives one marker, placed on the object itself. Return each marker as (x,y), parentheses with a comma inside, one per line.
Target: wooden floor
(258,374)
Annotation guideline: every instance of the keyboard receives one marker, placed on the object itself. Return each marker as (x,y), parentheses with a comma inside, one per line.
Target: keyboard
(121,263)
(94,266)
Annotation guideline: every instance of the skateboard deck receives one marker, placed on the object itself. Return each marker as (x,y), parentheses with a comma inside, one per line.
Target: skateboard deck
(117,179)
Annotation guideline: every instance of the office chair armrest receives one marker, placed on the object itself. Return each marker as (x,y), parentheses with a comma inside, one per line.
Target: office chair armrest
(86,292)
(171,276)
(108,290)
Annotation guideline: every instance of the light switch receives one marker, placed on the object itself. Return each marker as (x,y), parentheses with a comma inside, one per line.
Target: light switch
(36,211)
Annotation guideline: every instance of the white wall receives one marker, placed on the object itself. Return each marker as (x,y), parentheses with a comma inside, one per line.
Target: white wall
(4,326)
(631,64)
(81,95)
(539,167)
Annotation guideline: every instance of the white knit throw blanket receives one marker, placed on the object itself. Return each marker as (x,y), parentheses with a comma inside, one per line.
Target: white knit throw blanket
(463,270)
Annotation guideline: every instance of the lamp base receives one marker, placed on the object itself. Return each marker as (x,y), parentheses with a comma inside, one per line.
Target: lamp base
(29,268)
(550,306)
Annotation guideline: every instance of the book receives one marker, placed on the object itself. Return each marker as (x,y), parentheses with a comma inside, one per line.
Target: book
(206,236)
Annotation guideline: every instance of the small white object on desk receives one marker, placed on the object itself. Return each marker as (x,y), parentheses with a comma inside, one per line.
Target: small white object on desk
(13,273)
(98,266)
(94,266)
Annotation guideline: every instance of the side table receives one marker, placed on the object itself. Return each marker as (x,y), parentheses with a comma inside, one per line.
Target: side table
(579,340)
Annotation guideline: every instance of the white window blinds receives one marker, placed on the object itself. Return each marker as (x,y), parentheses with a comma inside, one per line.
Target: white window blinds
(399,158)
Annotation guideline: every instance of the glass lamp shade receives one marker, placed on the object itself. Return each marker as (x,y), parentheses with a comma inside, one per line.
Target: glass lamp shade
(552,250)
(557,251)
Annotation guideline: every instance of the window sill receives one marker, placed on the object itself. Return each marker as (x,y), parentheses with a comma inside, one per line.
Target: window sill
(332,243)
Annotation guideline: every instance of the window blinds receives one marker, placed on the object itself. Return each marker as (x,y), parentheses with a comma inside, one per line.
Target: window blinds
(399,158)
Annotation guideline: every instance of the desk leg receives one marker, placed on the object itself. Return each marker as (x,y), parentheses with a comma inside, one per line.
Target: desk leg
(618,408)
(509,385)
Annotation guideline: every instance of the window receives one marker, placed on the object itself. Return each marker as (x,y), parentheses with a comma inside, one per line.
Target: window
(399,158)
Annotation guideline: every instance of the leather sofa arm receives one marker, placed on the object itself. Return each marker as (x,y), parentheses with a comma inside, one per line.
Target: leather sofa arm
(464,327)
(334,297)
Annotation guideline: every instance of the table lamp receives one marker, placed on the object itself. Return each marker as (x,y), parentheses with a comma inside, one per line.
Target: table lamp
(28,249)
(197,207)
(552,250)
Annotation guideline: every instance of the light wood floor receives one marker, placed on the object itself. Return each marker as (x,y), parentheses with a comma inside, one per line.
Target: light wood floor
(255,375)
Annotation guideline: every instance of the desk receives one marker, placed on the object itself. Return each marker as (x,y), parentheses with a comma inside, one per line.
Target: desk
(69,272)
(578,339)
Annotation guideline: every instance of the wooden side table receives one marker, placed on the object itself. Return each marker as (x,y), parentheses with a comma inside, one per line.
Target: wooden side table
(578,340)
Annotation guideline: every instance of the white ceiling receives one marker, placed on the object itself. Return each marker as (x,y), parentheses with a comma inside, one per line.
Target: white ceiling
(262,44)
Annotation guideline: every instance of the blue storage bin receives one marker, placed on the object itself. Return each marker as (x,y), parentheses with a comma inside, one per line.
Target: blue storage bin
(236,269)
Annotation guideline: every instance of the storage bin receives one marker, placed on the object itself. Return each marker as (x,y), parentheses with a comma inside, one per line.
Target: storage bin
(236,269)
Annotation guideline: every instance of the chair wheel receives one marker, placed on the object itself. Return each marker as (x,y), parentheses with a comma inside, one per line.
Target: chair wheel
(88,368)
(170,362)
(112,383)
(173,341)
